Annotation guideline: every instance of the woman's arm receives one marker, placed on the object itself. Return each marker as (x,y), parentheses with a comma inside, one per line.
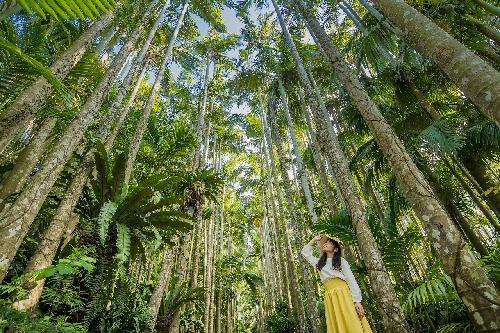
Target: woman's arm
(307,251)
(351,281)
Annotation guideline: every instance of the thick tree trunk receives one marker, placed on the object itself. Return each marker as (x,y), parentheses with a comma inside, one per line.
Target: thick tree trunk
(388,303)
(34,97)
(14,180)
(17,218)
(479,81)
(459,262)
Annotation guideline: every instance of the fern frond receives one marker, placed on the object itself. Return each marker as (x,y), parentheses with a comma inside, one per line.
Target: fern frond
(122,242)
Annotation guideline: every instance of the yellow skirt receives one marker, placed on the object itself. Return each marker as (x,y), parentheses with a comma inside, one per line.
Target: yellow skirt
(341,315)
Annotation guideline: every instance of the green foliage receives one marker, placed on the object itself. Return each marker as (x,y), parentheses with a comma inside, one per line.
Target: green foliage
(281,320)
(67,9)
(23,322)
(40,68)
(439,289)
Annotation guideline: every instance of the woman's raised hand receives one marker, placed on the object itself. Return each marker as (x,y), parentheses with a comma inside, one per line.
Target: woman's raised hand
(317,238)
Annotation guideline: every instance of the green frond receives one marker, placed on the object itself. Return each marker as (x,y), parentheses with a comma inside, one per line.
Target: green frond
(67,9)
(40,68)
(122,242)
(456,328)
(105,219)
(439,289)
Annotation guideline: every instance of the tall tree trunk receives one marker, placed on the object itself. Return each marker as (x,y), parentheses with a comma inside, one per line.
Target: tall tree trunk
(17,218)
(458,261)
(478,80)
(200,123)
(161,284)
(14,180)
(488,7)
(388,303)
(476,168)
(143,122)
(300,163)
(276,232)
(34,97)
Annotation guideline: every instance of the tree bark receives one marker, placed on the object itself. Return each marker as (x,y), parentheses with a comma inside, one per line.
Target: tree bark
(311,299)
(161,284)
(200,123)
(33,97)
(296,297)
(14,180)
(473,285)
(17,218)
(478,80)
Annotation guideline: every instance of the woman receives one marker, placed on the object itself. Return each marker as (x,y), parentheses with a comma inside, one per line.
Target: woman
(344,312)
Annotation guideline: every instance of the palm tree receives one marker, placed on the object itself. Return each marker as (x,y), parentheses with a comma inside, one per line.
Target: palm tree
(311,301)
(14,180)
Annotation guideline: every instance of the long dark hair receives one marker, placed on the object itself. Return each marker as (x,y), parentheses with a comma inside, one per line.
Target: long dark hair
(336,260)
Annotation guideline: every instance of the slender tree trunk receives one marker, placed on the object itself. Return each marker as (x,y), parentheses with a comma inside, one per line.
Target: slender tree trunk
(300,163)
(143,122)
(276,233)
(320,165)
(14,180)
(161,284)
(477,169)
(488,7)
(479,81)
(473,196)
(455,213)
(388,303)
(486,30)
(17,218)
(473,285)
(34,97)
(200,124)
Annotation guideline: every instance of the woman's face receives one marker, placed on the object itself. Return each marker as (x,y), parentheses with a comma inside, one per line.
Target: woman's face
(329,247)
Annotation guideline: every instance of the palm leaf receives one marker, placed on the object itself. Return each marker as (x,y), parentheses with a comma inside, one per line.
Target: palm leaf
(66,9)
(43,70)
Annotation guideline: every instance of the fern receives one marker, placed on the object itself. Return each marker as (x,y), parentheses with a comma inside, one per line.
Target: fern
(105,218)
(122,242)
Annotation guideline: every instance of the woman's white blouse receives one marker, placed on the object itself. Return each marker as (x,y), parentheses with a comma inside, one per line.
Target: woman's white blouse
(327,272)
